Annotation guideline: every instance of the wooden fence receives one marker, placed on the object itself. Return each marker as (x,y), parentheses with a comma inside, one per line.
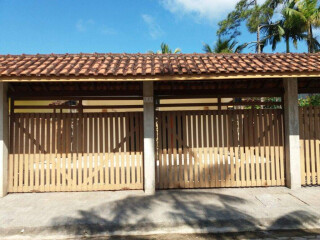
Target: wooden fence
(310,145)
(228,148)
(75,152)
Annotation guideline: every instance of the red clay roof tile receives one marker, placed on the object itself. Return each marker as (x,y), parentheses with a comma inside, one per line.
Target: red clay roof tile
(61,65)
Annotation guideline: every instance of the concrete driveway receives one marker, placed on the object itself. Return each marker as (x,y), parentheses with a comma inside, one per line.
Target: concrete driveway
(62,215)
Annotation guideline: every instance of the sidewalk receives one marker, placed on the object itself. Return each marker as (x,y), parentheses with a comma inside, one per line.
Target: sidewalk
(61,215)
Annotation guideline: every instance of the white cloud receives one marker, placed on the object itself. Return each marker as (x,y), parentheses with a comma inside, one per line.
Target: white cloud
(155,30)
(83,25)
(207,9)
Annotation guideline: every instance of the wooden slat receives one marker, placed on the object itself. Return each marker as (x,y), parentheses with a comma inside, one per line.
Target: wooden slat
(317,143)
(262,143)
(307,145)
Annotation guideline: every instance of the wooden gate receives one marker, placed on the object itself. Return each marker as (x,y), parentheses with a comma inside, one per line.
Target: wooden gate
(226,148)
(75,152)
(310,145)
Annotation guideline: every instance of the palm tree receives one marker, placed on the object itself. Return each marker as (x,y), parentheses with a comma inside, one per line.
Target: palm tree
(288,28)
(308,12)
(166,49)
(222,46)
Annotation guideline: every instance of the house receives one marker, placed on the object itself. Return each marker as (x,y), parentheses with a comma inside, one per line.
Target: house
(151,121)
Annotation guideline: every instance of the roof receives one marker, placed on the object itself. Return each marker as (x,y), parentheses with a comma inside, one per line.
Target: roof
(151,66)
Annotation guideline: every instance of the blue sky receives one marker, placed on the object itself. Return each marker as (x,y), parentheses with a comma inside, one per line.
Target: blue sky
(73,26)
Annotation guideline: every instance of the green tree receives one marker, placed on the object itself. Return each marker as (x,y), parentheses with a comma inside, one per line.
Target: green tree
(313,100)
(222,46)
(308,12)
(289,28)
(254,15)
(165,49)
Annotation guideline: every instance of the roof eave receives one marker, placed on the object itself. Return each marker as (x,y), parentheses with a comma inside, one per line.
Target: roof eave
(185,77)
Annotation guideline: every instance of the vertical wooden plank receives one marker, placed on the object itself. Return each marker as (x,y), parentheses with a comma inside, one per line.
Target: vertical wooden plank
(138,152)
(107,150)
(231,148)
(100,151)
(170,170)
(277,148)
(225,149)
(191,154)
(247,147)
(317,142)
(165,150)
(211,147)
(262,147)
(26,187)
(174,150)
(32,151)
(69,151)
(127,142)
(272,148)
(96,179)
(16,153)
(256,141)
(196,131)
(185,129)
(64,152)
(252,147)
(200,148)
(53,153)
(205,149)
(281,148)
(302,147)
(307,144)
(242,147)
(132,151)
(36,151)
(59,151)
(122,139)
(221,148)
(80,166)
(21,154)
(267,141)
(312,147)
(235,125)
(47,153)
(85,152)
(180,146)
(42,150)
(92,164)
(116,147)
(216,130)
(75,160)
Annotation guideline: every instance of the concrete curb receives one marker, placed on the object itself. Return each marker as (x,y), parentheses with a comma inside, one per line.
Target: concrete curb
(98,230)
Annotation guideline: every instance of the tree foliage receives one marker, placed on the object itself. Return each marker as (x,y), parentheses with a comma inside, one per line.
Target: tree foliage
(313,100)
(222,46)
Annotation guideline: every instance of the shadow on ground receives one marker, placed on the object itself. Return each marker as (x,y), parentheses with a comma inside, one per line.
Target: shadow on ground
(135,213)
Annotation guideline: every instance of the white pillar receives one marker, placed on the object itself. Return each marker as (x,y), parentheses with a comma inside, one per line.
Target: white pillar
(291,124)
(4,139)
(148,129)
